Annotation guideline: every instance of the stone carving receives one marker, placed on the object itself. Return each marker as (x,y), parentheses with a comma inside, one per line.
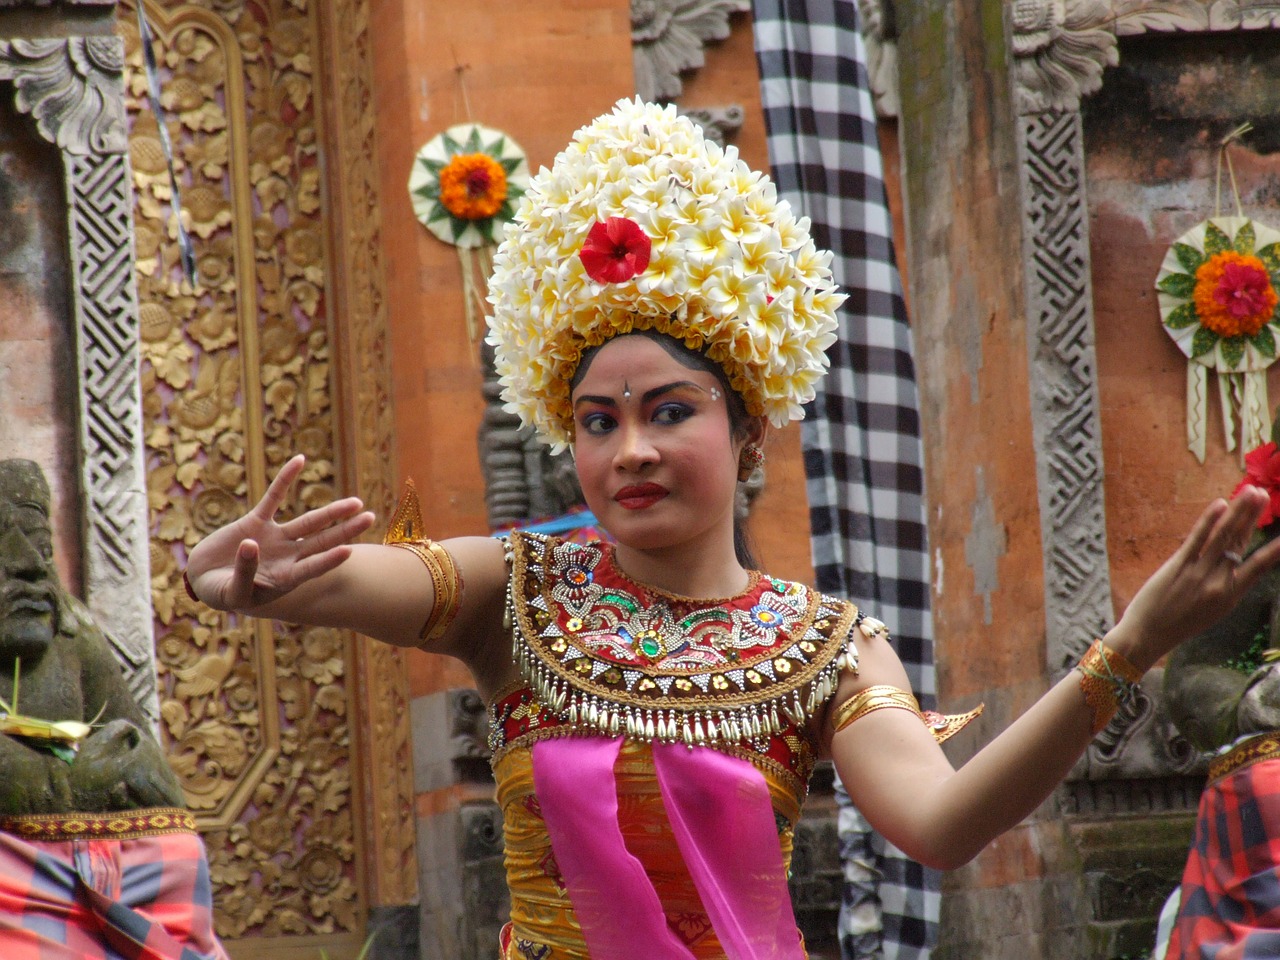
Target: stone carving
(875,23)
(56,666)
(1161,16)
(718,123)
(100,226)
(72,88)
(667,37)
(1060,49)
(1218,686)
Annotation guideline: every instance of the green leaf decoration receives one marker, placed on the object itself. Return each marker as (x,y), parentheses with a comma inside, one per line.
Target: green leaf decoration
(1264,341)
(1190,258)
(459,227)
(510,164)
(1233,351)
(1204,341)
(473,142)
(1245,238)
(1270,257)
(1181,285)
(1215,241)
(428,191)
(1182,316)
(435,166)
(495,149)
(438,212)
(452,147)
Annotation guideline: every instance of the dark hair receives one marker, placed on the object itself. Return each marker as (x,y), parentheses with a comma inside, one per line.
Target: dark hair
(739,419)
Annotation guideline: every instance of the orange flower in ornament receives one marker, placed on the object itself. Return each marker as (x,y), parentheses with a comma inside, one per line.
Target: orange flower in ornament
(473,186)
(1233,294)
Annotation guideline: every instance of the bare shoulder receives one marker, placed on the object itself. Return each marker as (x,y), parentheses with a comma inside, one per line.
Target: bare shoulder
(878,664)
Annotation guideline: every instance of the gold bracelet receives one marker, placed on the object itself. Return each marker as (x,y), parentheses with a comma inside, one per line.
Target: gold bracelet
(874,698)
(405,531)
(1107,680)
(943,726)
(446,582)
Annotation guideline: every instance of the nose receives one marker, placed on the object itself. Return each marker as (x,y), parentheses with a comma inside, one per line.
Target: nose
(635,449)
(19,557)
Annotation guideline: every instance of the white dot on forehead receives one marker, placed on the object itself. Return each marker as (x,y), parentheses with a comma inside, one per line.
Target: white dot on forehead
(715,393)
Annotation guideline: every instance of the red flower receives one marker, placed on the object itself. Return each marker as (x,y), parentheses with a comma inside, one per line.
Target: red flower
(1245,290)
(615,251)
(1262,470)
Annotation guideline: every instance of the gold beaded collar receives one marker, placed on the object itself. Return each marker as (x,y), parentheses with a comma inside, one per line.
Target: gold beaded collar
(608,653)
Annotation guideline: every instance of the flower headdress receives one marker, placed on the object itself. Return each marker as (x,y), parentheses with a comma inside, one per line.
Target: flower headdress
(641,223)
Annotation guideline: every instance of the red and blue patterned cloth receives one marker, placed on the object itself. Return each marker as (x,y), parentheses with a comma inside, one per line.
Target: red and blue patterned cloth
(1230,897)
(117,888)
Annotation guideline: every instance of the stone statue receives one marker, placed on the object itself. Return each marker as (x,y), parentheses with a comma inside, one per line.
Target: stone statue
(56,666)
(1218,687)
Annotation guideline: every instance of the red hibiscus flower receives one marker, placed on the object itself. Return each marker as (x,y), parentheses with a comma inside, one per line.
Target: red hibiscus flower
(1262,469)
(615,251)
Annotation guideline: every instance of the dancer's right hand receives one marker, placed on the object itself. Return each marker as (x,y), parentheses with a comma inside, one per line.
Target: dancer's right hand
(255,560)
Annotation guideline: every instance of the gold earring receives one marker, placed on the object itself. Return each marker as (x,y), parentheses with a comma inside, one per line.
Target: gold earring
(749,461)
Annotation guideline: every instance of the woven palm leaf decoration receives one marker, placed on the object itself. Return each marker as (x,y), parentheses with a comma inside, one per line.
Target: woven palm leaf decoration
(464,185)
(1217,292)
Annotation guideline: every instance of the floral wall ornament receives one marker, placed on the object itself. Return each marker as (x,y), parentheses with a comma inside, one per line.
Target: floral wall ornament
(1217,292)
(464,185)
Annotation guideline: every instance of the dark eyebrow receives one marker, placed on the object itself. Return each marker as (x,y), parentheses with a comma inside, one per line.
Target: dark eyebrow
(647,397)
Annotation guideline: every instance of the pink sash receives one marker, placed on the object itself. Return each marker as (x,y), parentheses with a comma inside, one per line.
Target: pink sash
(722,818)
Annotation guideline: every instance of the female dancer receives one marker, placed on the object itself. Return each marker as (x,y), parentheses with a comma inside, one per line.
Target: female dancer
(657,705)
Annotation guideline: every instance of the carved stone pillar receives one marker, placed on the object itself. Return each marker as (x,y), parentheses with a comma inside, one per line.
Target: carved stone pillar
(73,89)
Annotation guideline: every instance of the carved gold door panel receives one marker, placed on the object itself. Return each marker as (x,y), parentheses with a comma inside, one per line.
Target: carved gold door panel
(266,723)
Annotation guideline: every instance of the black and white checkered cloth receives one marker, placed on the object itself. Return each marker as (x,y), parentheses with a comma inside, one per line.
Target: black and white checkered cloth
(861,436)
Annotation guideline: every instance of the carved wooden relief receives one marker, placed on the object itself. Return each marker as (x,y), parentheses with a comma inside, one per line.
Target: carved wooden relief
(237,374)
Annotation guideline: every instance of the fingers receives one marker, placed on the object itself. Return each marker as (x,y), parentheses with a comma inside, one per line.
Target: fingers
(278,489)
(240,589)
(323,562)
(336,535)
(316,520)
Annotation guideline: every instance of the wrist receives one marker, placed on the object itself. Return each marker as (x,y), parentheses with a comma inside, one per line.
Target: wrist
(1124,641)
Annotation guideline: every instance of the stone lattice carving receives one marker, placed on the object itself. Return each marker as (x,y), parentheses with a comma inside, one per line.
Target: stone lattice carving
(667,37)
(100,224)
(1060,49)
(73,88)
(1196,16)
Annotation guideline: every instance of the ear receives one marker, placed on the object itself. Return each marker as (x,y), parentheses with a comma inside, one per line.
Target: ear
(757,429)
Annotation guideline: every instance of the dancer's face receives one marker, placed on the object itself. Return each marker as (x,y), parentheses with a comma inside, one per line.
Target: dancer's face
(654,446)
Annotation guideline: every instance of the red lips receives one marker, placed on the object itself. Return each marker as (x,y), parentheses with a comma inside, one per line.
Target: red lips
(640,495)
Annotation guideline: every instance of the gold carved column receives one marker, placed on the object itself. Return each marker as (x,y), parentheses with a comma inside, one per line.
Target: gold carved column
(292,743)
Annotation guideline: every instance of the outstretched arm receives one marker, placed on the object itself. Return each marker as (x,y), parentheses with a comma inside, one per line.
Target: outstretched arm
(308,570)
(902,782)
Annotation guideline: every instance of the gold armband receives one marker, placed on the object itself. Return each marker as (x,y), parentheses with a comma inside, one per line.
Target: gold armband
(446,581)
(943,726)
(1107,680)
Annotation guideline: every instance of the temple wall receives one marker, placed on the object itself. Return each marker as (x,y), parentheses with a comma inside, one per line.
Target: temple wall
(1039,205)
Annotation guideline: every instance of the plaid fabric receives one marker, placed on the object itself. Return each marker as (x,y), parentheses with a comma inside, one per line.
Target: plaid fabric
(1230,904)
(146,898)
(861,437)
